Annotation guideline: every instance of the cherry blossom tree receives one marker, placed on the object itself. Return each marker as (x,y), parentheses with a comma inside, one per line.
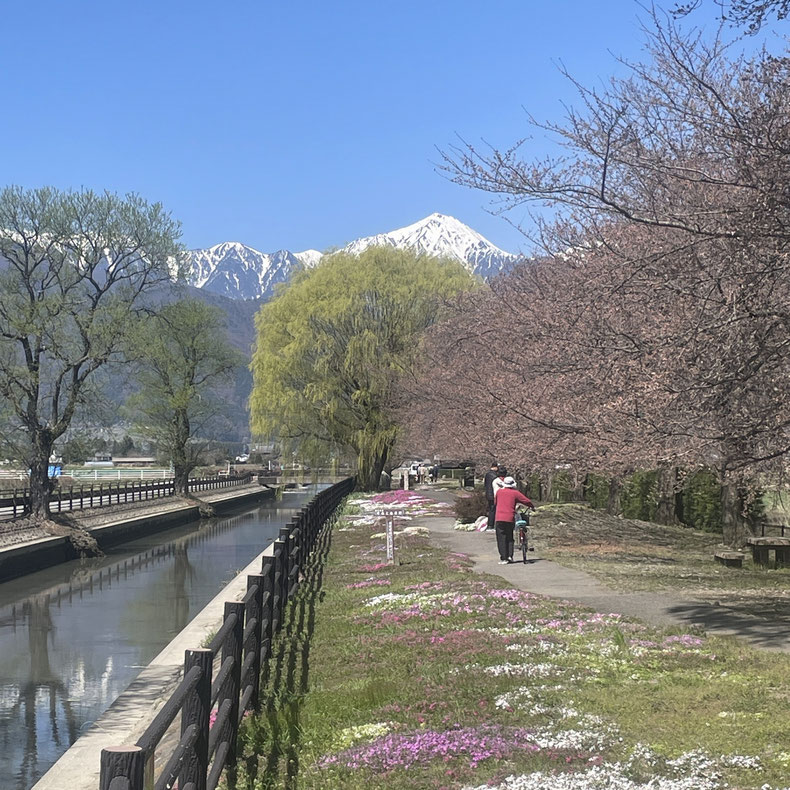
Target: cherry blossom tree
(657,322)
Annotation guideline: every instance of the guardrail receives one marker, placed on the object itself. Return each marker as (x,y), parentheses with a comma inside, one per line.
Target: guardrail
(17,502)
(118,473)
(211,707)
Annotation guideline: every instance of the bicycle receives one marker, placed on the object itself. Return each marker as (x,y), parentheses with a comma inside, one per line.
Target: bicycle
(522,525)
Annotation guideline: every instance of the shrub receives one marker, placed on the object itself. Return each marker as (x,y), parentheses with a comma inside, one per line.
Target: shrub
(701,501)
(640,495)
(597,493)
(469,507)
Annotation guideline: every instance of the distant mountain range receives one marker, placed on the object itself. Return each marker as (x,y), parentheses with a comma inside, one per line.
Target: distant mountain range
(234,270)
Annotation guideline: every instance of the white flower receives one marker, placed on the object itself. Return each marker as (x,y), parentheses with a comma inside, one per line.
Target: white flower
(744,761)
(364,732)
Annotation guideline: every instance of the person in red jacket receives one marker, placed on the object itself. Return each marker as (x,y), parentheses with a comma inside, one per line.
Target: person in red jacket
(506,500)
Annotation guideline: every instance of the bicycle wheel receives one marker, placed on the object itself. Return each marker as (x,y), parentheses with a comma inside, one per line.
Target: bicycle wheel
(524,546)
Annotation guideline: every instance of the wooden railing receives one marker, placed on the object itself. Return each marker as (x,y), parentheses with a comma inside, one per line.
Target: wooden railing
(17,502)
(243,645)
(769,530)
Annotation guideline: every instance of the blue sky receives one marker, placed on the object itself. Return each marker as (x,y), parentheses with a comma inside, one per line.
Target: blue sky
(291,124)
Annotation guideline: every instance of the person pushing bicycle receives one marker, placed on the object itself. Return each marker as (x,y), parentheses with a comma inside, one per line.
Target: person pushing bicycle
(506,500)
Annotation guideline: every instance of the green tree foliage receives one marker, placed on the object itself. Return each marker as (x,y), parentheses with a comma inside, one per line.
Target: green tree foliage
(73,269)
(331,346)
(77,449)
(181,358)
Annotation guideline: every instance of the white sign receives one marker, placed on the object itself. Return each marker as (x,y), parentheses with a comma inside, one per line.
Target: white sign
(389,529)
(391,540)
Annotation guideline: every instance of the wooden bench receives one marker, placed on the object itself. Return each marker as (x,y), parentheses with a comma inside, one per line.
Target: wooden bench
(762,546)
(732,559)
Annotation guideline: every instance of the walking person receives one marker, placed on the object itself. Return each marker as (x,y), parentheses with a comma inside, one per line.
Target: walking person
(488,482)
(499,480)
(507,498)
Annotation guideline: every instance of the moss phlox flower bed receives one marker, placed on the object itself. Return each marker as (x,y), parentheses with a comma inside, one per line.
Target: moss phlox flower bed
(424,674)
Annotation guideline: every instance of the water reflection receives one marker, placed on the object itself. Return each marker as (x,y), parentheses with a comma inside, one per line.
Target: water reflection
(40,692)
(73,637)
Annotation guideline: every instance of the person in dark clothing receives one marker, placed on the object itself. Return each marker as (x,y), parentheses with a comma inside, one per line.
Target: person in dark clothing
(507,498)
(488,481)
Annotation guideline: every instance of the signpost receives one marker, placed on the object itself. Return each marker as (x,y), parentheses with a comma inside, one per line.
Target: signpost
(389,529)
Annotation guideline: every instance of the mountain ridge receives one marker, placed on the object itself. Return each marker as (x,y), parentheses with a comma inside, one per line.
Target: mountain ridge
(238,271)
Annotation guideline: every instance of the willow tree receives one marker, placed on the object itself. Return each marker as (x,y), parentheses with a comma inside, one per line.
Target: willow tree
(332,345)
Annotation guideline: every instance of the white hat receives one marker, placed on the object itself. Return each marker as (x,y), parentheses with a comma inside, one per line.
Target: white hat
(509,482)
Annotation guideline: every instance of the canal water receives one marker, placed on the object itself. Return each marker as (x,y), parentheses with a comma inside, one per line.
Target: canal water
(73,637)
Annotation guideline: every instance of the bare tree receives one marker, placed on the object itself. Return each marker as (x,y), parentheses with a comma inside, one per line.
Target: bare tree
(752,14)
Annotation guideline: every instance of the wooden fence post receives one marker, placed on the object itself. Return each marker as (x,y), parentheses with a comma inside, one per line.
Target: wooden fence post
(233,647)
(268,607)
(279,553)
(122,761)
(285,537)
(294,563)
(256,611)
(197,707)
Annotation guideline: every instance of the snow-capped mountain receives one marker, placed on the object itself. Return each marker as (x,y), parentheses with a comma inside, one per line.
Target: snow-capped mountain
(240,272)
(446,237)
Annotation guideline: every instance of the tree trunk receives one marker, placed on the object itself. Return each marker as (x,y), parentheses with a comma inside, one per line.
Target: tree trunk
(181,465)
(734,527)
(40,484)
(586,485)
(665,510)
(613,504)
(369,471)
(180,480)
(579,486)
(547,485)
(680,514)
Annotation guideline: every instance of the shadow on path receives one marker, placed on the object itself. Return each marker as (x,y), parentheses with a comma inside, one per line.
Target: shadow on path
(763,622)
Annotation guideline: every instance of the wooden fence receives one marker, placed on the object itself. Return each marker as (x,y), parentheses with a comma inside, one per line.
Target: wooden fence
(243,644)
(17,502)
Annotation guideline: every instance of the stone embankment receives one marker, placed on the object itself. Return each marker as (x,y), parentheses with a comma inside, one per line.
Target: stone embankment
(26,547)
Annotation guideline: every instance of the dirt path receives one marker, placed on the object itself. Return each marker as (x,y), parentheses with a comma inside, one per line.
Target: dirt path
(544,577)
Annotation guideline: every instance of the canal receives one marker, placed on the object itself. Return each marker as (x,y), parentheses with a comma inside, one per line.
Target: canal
(74,636)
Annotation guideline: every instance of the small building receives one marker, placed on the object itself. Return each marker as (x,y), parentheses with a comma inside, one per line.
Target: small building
(138,461)
(100,460)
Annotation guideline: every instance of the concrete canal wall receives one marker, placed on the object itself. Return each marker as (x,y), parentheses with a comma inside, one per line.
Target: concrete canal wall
(127,718)
(35,555)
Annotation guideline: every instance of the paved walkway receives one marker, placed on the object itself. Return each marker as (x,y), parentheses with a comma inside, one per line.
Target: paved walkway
(545,577)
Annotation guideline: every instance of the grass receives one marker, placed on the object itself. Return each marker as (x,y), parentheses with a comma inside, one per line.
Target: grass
(426,675)
(631,555)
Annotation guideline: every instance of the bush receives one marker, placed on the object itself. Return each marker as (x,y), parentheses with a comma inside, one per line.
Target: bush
(469,507)
(640,495)
(597,493)
(702,501)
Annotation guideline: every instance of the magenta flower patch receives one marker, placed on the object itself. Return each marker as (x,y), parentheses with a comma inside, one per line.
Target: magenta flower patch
(404,750)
